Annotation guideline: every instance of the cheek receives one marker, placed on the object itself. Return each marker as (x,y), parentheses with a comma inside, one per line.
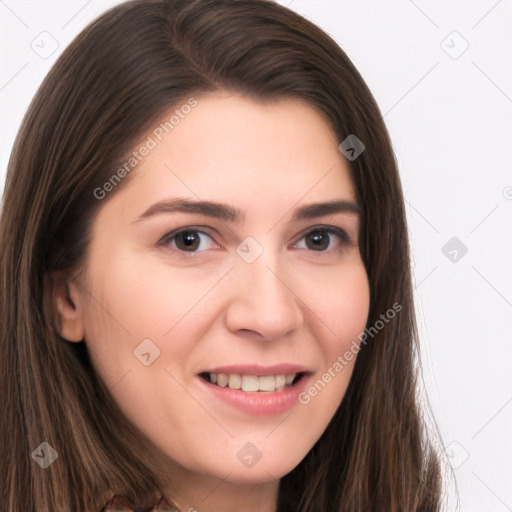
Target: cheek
(133,301)
(338,305)
(340,299)
(342,305)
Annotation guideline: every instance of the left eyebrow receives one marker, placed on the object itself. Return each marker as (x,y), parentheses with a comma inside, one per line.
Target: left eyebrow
(314,210)
(230,214)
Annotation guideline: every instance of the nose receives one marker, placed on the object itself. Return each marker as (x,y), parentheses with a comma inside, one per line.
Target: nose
(263,303)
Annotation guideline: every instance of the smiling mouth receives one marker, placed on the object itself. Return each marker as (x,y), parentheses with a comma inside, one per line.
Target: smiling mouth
(253,383)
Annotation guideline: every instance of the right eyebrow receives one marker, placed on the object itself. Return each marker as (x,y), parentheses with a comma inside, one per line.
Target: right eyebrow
(209,208)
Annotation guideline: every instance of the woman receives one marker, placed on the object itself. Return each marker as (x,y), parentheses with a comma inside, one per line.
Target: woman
(206,294)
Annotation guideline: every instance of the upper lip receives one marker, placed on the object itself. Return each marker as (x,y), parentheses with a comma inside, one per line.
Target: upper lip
(259,370)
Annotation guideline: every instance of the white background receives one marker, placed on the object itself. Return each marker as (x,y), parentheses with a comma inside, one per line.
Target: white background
(450,119)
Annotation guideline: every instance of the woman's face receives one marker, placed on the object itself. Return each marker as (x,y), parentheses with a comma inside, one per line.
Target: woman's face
(258,287)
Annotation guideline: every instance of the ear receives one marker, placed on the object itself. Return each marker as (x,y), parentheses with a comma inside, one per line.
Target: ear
(68,303)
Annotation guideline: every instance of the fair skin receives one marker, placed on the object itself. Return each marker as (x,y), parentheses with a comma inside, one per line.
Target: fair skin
(301,302)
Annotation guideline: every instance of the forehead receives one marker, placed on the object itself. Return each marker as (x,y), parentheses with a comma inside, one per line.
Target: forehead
(241,150)
(241,126)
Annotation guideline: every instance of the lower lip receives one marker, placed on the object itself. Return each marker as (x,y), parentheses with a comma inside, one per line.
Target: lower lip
(258,403)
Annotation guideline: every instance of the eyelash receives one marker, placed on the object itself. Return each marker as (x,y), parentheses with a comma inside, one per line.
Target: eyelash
(342,235)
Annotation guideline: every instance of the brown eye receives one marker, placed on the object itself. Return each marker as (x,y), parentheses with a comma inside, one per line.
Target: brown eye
(318,240)
(188,240)
(324,239)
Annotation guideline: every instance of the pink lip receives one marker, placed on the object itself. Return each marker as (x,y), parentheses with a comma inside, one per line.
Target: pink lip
(258,403)
(259,370)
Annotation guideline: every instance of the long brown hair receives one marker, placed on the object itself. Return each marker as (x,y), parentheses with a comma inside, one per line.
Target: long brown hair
(115,79)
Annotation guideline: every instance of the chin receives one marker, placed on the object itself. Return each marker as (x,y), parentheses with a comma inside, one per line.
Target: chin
(244,470)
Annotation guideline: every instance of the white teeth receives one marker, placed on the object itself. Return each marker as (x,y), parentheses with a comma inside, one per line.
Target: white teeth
(222,380)
(252,383)
(235,381)
(280,382)
(267,383)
